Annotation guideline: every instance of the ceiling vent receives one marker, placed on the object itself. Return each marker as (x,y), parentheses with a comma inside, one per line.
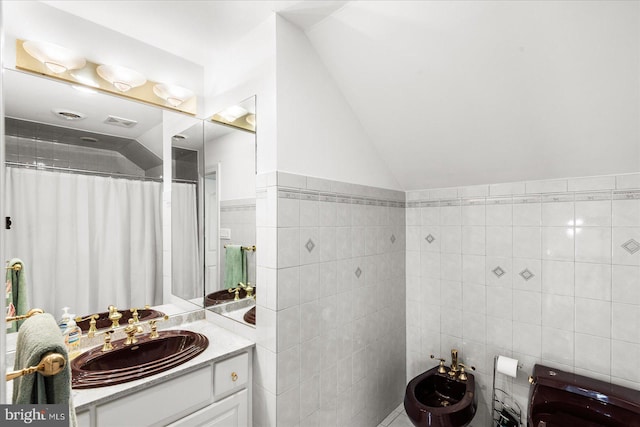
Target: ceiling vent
(119,121)
(68,115)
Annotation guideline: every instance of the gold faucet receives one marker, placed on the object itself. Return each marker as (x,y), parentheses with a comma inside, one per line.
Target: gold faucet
(107,342)
(247,288)
(441,368)
(92,324)
(114,316)
(463,375)
(153,327)
(454,363)
(131,332)
(134,312)
(237,291)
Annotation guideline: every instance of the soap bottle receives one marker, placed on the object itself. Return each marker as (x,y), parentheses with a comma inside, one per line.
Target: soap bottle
(64,319)
(72,335)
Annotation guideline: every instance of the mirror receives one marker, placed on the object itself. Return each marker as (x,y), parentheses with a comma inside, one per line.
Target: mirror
(230,209)
(84,189)
(186,188)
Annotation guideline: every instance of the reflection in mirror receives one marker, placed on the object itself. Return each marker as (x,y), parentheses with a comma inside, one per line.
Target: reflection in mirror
(84,192)
(241,115)
(186,270)
(230,217)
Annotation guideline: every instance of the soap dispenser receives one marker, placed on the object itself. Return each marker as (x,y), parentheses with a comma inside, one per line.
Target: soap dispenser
(72,335)
(64,319)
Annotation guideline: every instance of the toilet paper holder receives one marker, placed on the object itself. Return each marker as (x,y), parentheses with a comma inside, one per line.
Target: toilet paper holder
(505,411)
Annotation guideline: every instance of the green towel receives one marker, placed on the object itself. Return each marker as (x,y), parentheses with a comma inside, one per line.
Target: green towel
(38,336)
(235,266)
(17,297)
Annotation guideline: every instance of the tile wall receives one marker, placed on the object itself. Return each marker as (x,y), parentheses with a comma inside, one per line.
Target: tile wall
(331,318)
(545,272)
(66,156)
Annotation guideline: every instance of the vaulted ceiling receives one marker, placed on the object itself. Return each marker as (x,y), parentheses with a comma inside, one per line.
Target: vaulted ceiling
(450,93)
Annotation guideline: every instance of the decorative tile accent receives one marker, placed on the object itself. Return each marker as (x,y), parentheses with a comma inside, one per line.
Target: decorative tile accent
(310,245)
(631,246)
(430,238)
(499,272)
(626,195)
(358,272)
(526,274)
(393,238)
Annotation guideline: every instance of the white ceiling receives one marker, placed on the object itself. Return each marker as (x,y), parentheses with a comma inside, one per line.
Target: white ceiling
(186,28)
(450,93)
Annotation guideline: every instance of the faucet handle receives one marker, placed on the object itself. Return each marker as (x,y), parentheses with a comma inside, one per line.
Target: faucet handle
(153,327)
(441,368)
(92,324)
(114,316)
(107,342)
(462,376)
(134,312)
(237,291)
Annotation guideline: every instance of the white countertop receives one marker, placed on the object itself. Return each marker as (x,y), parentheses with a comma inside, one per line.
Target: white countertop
(222,344)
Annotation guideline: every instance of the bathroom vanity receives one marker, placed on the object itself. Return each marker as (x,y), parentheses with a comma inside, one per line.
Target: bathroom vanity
(210,390)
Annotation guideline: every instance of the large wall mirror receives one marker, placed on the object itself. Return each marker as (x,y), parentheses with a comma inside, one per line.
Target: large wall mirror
(84,190)
(230,212)
(186,210)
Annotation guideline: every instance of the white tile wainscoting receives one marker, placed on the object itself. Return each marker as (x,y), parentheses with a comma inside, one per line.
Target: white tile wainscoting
(545,272)
(331,307)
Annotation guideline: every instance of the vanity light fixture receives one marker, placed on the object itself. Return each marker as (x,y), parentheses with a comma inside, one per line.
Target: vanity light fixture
(84,77)
(121,78)
(56,58)
(84,89)
(233,113)
(251,119)
(174,95)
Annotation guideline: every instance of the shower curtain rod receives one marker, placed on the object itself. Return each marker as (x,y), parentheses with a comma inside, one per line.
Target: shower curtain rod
(89,172)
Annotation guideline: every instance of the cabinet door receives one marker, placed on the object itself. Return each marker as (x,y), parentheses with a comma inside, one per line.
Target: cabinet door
(229,412)
(160,403)
(83,419)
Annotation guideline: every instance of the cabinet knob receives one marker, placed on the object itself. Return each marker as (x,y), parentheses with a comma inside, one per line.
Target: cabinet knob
(234,377)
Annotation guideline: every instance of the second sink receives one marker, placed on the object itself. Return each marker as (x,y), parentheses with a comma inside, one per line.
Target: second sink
(103,322)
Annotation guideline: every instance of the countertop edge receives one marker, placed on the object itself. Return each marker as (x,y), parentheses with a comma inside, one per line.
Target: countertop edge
(85,398)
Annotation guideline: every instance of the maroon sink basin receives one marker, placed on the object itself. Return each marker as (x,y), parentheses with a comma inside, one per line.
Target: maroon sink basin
(221,297)
(96,368)
(250,316)
(103,322)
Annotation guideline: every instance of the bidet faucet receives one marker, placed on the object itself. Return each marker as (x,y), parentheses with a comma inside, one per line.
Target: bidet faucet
(454,362)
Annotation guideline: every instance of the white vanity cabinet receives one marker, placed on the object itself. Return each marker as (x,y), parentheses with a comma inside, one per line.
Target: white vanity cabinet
(216,394)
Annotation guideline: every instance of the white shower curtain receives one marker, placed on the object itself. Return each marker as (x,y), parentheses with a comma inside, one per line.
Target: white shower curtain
(186,275)
(86,241)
